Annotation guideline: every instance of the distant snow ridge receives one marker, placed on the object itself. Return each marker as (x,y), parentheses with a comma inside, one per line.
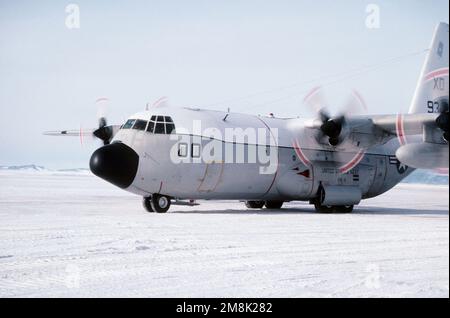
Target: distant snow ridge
(23,168)
(426,177)
(41,169)
(81,170)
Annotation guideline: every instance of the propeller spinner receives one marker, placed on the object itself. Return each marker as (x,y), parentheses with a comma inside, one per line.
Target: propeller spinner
(104,132)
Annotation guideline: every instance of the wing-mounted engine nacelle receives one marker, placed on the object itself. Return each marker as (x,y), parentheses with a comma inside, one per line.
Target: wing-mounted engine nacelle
(442,122)
(424,155)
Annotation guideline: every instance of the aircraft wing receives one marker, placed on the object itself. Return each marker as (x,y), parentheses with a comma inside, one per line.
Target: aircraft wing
(369,131)
(105,133)
(405,124)
(378,129)
(73,133)
(430,153)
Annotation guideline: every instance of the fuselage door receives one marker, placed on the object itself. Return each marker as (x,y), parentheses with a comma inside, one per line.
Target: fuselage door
(380,174)
(211,178)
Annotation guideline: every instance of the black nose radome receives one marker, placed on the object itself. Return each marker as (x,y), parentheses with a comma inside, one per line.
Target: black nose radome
(116,163)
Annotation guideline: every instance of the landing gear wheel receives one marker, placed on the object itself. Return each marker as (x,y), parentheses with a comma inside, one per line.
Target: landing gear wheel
(344,208)
(160,203)
(274,204)
(254,204)
(324,208)
(146,202)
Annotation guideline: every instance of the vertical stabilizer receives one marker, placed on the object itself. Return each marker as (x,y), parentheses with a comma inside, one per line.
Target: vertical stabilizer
(432,89)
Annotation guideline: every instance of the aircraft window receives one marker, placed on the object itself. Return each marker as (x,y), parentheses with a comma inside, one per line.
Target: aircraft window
(170,128)
(129,124)
(161,125)
(195,151)
(182,150)
(140,125)
(150,127)
(159,128)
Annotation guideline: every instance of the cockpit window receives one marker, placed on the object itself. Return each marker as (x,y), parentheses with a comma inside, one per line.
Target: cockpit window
(129,124)
(170,127)
(161,125)
(140,124)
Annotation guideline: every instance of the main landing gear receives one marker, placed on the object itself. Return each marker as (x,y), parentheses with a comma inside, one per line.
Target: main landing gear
(333,208)
(260,204)
(156,203)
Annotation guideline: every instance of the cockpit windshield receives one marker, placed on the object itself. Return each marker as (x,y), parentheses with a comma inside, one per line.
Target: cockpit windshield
(140,124)
(161,125)
(128,124)
(157,125)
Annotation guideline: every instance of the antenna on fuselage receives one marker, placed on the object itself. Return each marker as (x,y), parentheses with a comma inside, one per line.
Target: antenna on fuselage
(226,116)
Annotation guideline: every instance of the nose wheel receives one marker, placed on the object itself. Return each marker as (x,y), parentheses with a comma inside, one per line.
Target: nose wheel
(156,203)
(147,205)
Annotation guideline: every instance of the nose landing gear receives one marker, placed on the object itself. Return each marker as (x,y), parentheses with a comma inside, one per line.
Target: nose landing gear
(156,203)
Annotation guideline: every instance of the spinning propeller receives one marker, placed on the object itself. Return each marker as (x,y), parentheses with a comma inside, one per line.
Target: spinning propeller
(104,131)
(331,132)
(332,129)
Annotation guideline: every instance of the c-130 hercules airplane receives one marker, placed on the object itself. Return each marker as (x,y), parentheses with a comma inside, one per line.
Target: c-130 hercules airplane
(167,154)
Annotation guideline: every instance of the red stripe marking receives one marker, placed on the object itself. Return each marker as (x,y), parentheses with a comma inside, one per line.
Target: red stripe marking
(159,101)
(353,163)
(400,130)
(102,99)
(436,73)
(311,93)
(360,98)
(81,135)
(442,171)
(300,154)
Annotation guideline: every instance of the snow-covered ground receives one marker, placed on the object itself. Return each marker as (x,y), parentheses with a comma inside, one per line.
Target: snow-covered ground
(69,234)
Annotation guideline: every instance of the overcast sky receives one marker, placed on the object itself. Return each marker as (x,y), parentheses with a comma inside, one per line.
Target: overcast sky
(198,53)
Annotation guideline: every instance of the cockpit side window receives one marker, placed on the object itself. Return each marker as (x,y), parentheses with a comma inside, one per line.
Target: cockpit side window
(159,128)
(140,124)
(128,124)
(170,128)
(151,126)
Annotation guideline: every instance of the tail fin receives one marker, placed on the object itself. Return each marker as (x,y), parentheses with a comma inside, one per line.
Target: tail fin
(432,88)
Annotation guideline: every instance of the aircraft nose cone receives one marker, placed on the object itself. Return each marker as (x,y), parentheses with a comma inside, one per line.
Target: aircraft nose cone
(116,163)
